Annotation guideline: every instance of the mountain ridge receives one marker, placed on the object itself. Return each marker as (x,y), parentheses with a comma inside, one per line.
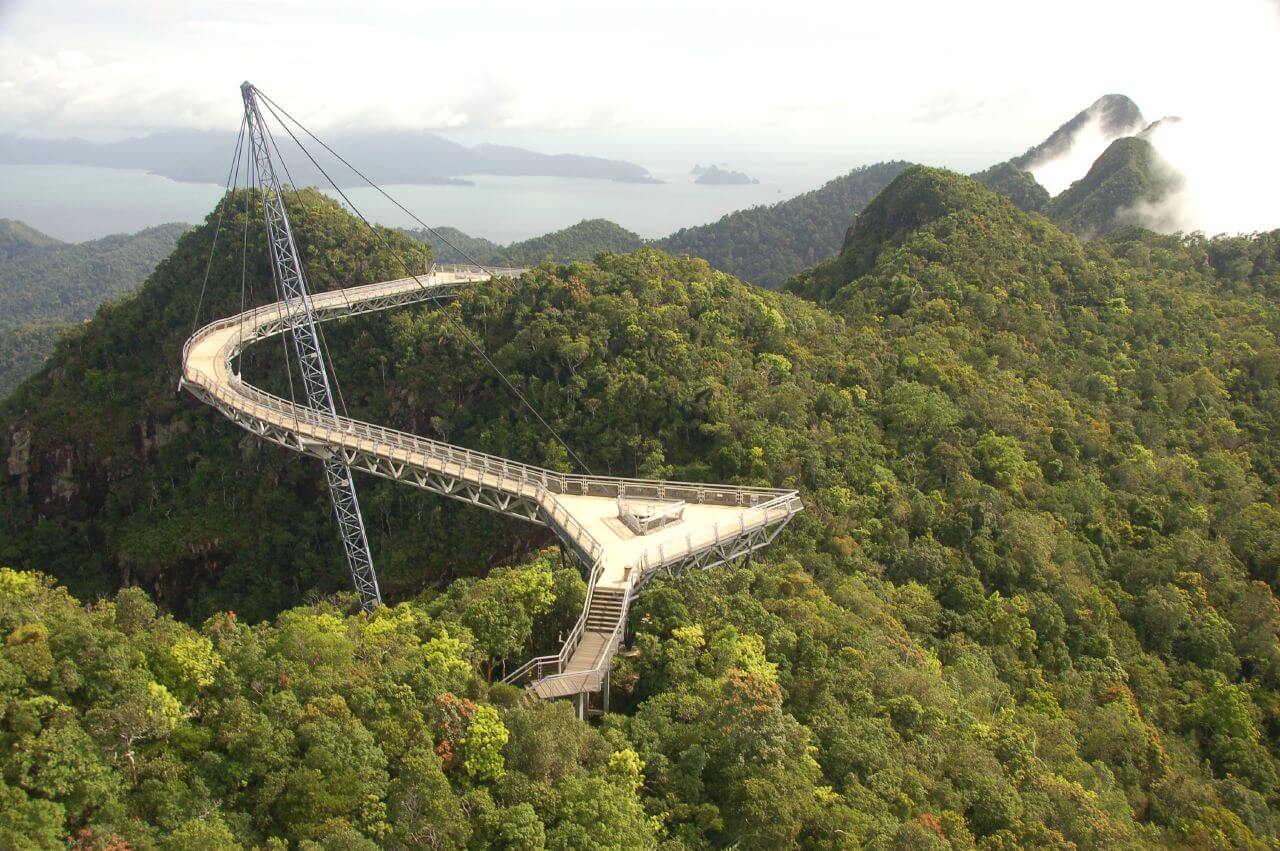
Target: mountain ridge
(393,157)
(765,245)
(46,286)
(581,241)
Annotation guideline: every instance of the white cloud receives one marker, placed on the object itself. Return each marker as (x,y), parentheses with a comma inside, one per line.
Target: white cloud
(957,84)
(1225,146)
(1057,173)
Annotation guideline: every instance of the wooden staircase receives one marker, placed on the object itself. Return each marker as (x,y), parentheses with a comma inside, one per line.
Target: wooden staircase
(600,639)
(606,609)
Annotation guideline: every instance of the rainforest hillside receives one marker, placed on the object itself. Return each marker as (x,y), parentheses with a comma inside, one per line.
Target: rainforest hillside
(450,245)
(1017,185)
(766,245)
(24,346)
(45,285)
(1031,601)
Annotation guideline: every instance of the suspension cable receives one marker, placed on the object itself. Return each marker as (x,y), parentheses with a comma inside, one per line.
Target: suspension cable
(235,167)
(324,344)
(454,323)
(273,106)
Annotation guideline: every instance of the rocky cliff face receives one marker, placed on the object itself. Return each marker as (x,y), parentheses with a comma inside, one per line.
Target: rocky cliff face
(53,479)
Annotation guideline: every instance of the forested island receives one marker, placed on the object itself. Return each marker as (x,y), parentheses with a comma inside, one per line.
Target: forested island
(713,175)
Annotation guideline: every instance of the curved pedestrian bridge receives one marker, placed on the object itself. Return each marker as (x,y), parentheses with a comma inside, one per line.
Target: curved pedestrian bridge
(625,531)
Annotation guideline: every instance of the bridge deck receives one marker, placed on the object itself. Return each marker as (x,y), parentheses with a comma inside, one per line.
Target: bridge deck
(719,522)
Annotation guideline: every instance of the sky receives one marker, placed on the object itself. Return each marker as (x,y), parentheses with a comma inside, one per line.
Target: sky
(956,84)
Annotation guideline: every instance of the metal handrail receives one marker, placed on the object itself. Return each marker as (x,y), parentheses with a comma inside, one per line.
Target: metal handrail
(609,486)
(571,642)
(593,676)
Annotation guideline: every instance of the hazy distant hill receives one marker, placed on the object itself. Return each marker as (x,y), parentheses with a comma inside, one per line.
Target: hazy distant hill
(19,238)
(766,245)
(1126,184)
(1107,118)
(67,281)
(713,175)
(386,157)
(45,284)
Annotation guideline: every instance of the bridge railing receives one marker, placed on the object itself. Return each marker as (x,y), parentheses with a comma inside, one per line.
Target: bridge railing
(544,667)
(551,669)
(511,471)
(474,269)
(472,466)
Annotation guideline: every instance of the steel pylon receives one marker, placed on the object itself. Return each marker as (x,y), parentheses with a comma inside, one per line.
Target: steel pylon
(307,352)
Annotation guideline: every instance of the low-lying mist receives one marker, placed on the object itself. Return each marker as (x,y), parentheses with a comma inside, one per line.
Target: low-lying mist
(1231,177)
(1056,172)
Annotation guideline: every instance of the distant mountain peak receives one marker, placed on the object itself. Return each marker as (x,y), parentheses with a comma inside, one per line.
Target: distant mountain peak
(1068,152)
(1116,113)
(1113,115)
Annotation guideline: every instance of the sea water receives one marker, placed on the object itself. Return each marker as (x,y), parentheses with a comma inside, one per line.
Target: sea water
(76,203)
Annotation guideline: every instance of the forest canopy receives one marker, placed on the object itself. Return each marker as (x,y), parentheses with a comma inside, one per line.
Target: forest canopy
(46,286)
(1031,601)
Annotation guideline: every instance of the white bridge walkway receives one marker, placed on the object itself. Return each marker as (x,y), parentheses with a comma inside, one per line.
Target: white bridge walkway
(718,522)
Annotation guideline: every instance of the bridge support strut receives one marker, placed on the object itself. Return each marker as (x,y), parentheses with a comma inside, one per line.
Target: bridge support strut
(307,352)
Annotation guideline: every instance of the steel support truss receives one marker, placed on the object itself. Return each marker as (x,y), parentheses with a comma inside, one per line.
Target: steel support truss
(301,323)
